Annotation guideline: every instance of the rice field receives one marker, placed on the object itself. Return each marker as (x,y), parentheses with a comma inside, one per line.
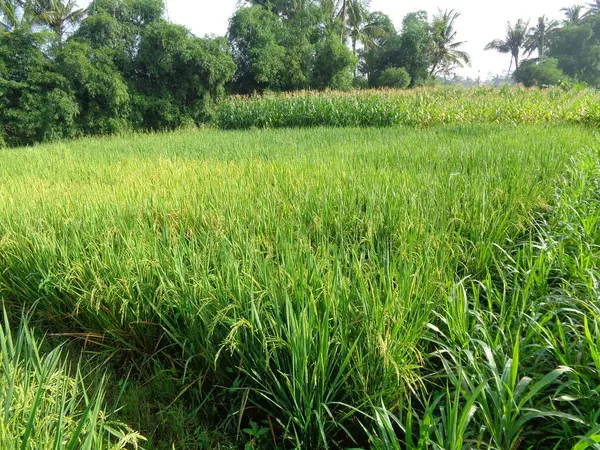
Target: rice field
(385,288)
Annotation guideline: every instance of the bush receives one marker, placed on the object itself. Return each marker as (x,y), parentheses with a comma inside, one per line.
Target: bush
(394,77)
(360,83)
(534,73)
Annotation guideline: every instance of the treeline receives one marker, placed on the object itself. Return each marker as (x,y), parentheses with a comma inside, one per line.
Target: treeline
(124,67)
(557,52)
(119,65)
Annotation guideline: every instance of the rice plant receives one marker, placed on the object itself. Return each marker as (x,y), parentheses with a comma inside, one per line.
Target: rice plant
(47,404)
(341,287)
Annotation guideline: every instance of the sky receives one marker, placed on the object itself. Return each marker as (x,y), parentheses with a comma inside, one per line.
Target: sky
(481,21)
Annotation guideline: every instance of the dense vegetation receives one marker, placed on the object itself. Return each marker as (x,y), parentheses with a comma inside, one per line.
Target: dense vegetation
(119,66)
(412,269)
(416,108)
(371,288)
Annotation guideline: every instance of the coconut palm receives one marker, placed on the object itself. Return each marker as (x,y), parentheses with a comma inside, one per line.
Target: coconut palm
(446,52)
(58,15)
(14,15)
(513,43)
(377,28)
(350,11)
(357,15)
(368,28)
(538,36)
(574,15)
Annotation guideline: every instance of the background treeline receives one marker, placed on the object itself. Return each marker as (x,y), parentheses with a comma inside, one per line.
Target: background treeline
(119,65)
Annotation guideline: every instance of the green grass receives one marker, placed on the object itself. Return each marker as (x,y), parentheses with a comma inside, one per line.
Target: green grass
(380,287)
(415,108)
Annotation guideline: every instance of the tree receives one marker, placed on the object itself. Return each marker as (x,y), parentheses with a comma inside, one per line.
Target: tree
(58,15)
(35,102)
(368,28)
(118,24)
(334,64)
(415,45)
(283,8)
(410,49)
(538,36)
(99,89)
(574,15)
(513,43)
(377,29)
(446,51)
(577,49)
(15,15)
(179,76)
(357,15)
(254,35)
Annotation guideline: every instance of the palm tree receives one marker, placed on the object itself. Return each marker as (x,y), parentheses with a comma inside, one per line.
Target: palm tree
(14,15)
(593,9)
(516,38)
(357,15)
(446,52)
(368,28)
(351,10)
(574,15)
(58,15)
(538,36)
(377,28)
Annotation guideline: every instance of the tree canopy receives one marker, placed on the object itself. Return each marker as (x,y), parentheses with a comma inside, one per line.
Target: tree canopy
(120,65)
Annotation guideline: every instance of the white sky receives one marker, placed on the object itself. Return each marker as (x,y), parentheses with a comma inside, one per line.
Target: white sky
(481,21)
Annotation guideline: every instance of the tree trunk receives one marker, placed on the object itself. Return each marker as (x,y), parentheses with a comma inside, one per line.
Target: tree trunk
(343,16)
(354,52)
(433,69)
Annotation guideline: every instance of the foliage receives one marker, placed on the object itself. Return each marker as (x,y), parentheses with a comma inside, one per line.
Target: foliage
(514,43)
(419,108)
(577,49)
(58,15)
(118,25)
(259,57)
(394,77)
(179,76)
(49,404)
(446,53)
(35,102)
(542,74)
(327,282)
(333,66)
(539,36)
(299,52)
(99,89)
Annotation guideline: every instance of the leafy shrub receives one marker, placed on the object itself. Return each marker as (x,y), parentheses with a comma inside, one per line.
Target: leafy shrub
(541,74)
(360,82)
(394,77)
